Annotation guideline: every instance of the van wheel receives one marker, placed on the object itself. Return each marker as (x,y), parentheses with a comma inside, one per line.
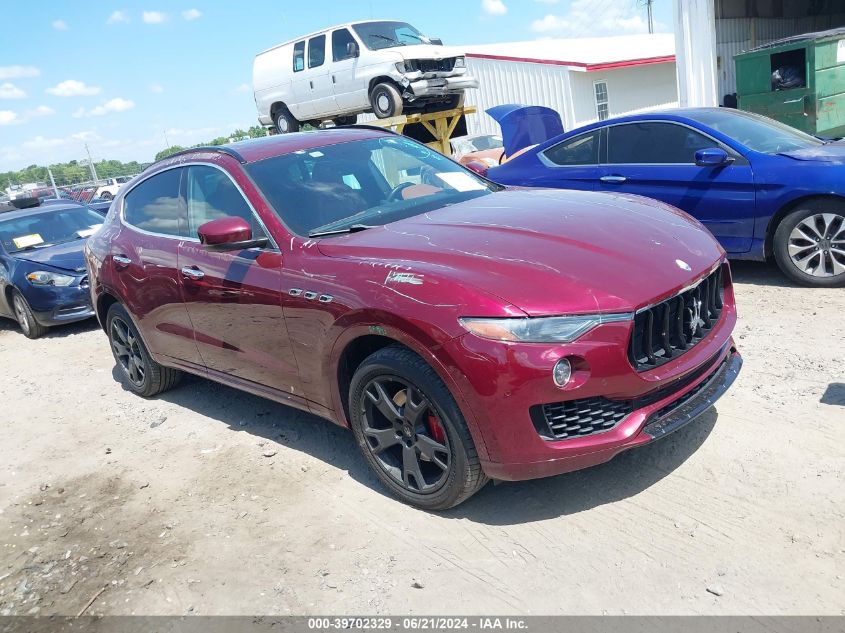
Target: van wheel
(285,122)
(809,244)
(411,431)
(386,101)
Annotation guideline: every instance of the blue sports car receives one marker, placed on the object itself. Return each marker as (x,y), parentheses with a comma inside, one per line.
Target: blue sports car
(43,279)
(762,188)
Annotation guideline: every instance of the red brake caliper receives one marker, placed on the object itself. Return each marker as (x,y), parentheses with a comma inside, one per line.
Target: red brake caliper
(436,429)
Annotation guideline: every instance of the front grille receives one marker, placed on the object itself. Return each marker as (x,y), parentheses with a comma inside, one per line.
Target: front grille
(670,328)
(579,418)
(434,65)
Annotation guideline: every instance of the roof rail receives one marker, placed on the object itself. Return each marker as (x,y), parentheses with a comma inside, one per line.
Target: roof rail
(222,149)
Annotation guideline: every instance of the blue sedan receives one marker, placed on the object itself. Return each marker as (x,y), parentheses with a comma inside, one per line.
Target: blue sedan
(762,188)
(43,279)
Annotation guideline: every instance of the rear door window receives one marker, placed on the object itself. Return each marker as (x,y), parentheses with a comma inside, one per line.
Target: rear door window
(155,205)
(316,51)
(299,56)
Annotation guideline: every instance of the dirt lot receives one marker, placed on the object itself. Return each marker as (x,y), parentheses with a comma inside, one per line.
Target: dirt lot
(206,500)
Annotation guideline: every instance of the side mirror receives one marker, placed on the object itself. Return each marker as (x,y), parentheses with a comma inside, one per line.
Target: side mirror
(352,49)
(436,41)
(228,234)
(478,167)
(712,157)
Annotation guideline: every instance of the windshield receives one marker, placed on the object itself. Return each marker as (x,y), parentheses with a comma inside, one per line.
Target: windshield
(756,132)
(378,35)
(370,182)
(40,230)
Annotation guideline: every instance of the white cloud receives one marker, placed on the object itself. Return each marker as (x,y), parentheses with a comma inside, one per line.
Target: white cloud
(548,1)
(191,14)
(112,105)
(11,91)
(7,117)
(59,25)
(18,72)
(243,88)
(73,88)
(156,88)
(493,7)
(619,17)
(117,16)
(41,110)
(153,17)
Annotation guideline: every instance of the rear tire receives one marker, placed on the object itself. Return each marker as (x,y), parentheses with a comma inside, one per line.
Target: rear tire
(26,320)
(386,101)
(809,244)
(107,196)
(285,122)
(141,373)
(411,431)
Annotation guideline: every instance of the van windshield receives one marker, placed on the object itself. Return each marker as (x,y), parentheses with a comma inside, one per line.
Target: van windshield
(378,35)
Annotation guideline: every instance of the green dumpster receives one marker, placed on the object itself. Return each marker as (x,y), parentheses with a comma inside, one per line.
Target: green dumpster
(799,81)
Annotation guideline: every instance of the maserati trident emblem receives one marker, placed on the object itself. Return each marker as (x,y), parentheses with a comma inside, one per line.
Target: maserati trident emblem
(696,322)
(683,265)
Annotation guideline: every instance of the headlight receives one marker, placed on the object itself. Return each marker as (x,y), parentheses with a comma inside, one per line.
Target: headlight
(460,62)
(44,278)
(561,329)
(400,66)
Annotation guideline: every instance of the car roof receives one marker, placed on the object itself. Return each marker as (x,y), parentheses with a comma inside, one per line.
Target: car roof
(256,149)
(344,25)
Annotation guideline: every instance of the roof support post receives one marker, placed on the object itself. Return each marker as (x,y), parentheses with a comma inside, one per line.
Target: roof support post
(695,52)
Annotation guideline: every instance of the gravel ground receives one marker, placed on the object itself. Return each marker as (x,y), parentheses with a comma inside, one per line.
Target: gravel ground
(207,500)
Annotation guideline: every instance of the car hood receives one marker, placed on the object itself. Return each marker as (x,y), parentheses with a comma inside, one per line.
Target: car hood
(833,152)
(545,251)
(427,51)
(67,256)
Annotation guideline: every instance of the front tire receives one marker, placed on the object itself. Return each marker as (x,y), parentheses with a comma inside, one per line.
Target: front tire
(141,373)
(411,431)
(285,122)
(386,101)
(809,244)
(26,320)
(107,196)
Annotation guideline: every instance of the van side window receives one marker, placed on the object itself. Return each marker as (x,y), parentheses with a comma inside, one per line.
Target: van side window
(340,42)
(316,51)
(299,56)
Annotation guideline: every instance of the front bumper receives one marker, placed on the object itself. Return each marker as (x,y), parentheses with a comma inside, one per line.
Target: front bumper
(56,305)
(442,86)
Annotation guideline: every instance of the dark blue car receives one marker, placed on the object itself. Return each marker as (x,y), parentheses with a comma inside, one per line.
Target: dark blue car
(762,188)
(43,280)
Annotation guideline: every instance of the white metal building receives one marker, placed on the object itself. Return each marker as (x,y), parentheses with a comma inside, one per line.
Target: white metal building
(584,79)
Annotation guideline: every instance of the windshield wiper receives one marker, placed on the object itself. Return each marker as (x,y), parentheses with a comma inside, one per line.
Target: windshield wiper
(388,39)
(346,229)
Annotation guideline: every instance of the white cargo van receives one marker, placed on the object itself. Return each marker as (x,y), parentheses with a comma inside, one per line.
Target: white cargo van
(381,66)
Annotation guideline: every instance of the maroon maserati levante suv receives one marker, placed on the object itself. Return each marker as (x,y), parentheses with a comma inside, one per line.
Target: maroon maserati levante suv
(463,330)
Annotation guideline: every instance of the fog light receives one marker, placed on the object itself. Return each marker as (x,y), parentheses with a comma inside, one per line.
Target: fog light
(562,372)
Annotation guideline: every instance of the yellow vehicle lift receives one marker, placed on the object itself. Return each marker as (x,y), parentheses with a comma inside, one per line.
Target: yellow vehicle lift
(441,125)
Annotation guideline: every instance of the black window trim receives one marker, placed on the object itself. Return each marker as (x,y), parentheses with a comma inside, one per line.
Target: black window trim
(271,245)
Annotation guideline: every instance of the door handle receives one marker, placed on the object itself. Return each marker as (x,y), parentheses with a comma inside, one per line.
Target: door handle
(334,79)
(193,273)
(617,180)
(311,83)
(121,261)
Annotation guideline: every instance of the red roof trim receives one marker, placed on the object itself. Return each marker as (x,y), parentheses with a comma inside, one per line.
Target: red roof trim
(665,59)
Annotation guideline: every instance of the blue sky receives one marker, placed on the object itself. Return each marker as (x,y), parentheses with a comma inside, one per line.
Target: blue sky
(120,75)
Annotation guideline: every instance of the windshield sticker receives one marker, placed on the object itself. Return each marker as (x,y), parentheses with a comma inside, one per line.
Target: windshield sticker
(403,278)
(460,181)
(25,241)
(88,232)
